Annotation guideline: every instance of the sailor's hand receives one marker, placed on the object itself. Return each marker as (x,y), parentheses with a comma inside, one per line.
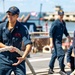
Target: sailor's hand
(13,49)
(51,46)
(20,59)
(69,64)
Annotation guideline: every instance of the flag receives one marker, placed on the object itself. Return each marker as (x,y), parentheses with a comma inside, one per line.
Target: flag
(33,13)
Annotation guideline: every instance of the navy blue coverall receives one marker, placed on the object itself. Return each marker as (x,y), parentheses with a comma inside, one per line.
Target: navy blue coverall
(14,38)
(57,30)
(74,47)
(70,59)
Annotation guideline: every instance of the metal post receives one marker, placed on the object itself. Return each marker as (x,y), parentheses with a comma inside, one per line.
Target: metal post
(40,13)
(30,66)
(3,6)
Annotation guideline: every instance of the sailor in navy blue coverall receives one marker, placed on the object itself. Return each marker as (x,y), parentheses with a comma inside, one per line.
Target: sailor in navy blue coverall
(57,30)
(70,58)
(13,34)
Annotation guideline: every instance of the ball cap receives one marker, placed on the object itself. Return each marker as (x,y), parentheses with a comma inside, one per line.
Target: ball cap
(60,12)
(14,10)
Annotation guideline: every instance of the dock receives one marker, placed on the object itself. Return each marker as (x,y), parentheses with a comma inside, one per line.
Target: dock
(40,62)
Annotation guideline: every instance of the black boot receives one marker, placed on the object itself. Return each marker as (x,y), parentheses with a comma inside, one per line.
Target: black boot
(50,71)
(62,72)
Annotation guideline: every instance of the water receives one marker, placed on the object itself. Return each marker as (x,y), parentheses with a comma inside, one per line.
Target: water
(70,25)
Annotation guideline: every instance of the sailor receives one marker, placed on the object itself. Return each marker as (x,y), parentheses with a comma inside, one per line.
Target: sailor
(57,30)
(71,55)
(13,34)
(70,58)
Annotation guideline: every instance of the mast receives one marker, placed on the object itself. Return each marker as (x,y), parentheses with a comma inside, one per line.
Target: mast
(3,6)
(40,13)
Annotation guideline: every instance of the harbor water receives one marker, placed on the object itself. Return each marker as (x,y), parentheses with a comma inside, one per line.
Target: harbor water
(70,25)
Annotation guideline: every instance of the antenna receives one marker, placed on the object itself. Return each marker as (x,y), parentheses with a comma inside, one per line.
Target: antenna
(3,6)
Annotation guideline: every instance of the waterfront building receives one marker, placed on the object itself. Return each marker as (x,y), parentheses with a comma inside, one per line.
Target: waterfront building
(68,16)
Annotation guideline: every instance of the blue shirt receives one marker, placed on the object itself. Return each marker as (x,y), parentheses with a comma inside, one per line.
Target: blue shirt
(74,42)
(14,37)
(69,52)
(57,30)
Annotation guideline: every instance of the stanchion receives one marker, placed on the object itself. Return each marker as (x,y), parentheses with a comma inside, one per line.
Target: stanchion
(30,66)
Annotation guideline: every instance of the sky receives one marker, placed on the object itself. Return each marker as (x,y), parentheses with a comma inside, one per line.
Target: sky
(34,5)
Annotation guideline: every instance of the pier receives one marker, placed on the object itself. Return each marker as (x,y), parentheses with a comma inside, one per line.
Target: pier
(68,16)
